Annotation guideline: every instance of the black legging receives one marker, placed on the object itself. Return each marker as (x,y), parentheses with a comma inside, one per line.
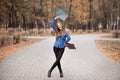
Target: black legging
(58,53)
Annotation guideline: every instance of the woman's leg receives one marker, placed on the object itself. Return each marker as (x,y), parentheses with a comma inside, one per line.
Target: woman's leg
(57,62)
(56,51)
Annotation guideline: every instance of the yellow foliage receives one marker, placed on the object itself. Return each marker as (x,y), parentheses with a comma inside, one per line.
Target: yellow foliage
(81,10)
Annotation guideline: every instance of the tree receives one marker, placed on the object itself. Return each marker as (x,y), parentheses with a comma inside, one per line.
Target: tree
(39,13)
(90,15)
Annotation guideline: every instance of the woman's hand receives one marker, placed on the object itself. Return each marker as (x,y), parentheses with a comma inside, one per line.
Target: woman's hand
(56,17)
(66,44)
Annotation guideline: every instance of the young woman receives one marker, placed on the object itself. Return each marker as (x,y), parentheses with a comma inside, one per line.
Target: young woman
(62,37)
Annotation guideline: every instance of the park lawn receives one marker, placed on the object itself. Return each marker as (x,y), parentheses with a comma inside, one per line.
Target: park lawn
(110,49)
(11,49)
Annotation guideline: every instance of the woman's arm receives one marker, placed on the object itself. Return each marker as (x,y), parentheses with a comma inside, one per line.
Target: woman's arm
(68,38)
(53,23)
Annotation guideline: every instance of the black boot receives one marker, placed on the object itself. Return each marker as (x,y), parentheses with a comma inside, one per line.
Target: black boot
(61,74)
(49,73)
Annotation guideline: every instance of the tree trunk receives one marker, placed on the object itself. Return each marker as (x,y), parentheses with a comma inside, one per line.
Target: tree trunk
(10,22)
(24,23)
(90,15)
(104,16)
(52,8)
(69,12)
(41,9)
(46,15)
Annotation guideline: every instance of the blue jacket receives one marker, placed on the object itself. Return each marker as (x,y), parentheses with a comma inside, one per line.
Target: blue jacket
(60,42)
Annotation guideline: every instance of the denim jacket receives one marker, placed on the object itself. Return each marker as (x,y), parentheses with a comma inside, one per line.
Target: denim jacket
(60,42)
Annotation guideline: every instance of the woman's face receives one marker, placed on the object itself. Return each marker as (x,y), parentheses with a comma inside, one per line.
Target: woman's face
(60,27)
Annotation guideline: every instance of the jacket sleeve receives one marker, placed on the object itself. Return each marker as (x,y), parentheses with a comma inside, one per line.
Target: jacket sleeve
(68,38)
(53,24)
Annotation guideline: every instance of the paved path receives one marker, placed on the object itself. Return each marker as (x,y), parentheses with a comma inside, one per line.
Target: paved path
(84,63)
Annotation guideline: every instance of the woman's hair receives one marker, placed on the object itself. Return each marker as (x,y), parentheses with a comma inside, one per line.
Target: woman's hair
(60,32)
